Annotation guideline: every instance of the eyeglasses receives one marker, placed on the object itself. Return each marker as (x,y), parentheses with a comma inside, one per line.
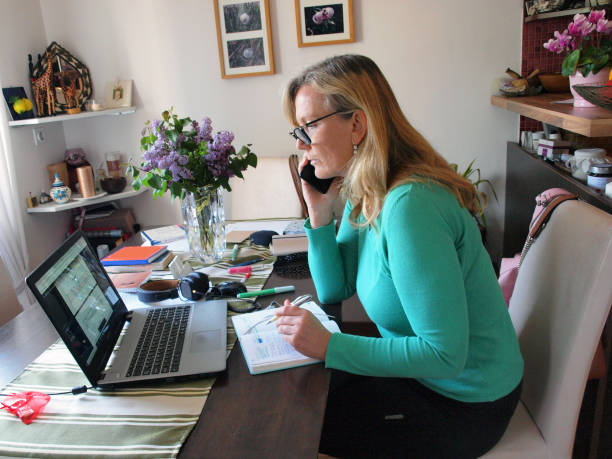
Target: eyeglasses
(300,133)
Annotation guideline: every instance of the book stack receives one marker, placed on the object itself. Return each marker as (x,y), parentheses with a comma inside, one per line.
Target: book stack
(137,258)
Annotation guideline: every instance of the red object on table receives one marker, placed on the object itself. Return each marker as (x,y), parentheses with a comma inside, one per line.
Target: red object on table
(25,405)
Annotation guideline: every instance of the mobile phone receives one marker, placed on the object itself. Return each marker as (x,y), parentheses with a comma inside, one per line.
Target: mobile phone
(308,174)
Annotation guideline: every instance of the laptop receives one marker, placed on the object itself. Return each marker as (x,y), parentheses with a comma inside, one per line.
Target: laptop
(161,343)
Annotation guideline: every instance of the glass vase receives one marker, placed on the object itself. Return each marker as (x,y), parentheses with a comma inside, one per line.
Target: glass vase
(204,219)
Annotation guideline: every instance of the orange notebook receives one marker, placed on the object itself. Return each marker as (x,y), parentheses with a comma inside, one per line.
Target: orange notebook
(134,255)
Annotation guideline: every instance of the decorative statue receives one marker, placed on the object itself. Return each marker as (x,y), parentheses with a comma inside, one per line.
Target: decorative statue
(71,87)
(44,92)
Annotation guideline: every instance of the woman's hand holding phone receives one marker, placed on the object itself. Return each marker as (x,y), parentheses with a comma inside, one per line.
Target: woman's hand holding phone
(320,205)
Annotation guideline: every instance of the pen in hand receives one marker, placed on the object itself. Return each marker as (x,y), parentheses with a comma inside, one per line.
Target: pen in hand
(297,302)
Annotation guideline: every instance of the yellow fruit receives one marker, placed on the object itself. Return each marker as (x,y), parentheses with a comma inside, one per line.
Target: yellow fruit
(22,105)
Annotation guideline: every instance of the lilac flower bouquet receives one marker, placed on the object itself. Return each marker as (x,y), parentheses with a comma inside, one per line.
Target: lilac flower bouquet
(182,155)
(586,40)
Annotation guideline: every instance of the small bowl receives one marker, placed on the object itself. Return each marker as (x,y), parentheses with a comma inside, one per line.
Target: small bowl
(554,82)
(94,105)
(113,184)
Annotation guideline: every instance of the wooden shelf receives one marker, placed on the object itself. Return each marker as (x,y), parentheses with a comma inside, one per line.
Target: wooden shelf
(557,14)
(59,118)
(590,122)
(51,207)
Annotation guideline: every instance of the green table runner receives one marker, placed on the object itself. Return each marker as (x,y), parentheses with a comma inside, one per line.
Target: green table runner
(152,421)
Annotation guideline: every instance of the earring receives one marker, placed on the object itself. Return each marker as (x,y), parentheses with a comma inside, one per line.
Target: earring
(355,149)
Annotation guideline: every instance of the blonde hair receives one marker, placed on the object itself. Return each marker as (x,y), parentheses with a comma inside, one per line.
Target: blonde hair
(392,152)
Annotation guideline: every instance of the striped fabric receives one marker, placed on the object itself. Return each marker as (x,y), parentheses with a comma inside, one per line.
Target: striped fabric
(143,422)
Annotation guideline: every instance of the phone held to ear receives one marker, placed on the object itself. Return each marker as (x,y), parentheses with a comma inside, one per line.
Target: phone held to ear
(308,174)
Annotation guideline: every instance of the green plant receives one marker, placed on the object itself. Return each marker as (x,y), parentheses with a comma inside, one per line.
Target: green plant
(472,174)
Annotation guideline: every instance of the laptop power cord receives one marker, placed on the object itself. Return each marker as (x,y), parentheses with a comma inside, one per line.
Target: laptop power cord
(74,391)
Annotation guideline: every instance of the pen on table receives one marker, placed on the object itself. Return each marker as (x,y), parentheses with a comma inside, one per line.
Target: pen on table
(246,277)
(269,291)
(234,252)
(250,262)
(297,302)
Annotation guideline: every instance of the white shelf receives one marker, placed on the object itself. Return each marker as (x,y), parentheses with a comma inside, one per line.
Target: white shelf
(50,207)
(59,118)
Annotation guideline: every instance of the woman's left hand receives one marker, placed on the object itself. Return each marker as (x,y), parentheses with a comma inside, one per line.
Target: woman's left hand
(300,328)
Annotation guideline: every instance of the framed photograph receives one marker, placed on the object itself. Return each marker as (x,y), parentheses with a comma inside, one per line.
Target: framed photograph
(118,94)
(324,23)
(20,107)
(244,37)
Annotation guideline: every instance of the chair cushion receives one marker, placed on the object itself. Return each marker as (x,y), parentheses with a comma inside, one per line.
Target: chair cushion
(521,440)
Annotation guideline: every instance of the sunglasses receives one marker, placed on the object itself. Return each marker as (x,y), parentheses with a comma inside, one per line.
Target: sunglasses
(300,133)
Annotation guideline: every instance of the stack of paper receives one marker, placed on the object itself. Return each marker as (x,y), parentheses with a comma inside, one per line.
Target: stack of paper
(164,234)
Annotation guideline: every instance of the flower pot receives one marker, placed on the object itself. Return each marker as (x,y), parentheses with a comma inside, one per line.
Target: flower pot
(577,78)
(204,219)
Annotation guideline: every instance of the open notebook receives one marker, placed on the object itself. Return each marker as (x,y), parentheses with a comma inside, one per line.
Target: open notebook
(263,347)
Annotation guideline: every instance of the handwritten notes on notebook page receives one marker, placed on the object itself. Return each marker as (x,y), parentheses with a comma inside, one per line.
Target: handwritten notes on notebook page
(263,347)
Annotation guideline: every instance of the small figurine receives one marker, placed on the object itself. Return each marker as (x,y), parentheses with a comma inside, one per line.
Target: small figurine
(44,197)
(31,201)
(44,92)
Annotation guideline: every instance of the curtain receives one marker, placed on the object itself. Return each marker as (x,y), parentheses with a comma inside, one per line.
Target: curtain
(13,248)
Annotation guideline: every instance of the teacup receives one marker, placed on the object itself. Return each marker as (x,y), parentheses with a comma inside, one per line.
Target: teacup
(582,160)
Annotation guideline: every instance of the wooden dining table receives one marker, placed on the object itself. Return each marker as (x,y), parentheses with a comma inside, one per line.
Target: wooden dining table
(277,414)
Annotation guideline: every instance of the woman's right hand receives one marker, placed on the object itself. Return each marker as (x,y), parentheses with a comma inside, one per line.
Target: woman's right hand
(320,206)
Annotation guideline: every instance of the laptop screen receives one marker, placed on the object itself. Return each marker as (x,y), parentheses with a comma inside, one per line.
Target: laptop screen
(77,295)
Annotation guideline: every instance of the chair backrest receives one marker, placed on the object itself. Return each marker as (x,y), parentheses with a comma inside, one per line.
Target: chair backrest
(294,161)
(266,191)
(560,304)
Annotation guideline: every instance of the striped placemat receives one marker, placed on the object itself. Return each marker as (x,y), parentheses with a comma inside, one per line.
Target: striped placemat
(151,421)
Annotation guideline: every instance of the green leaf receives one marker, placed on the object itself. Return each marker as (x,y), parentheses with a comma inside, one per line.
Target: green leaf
(155,182)
(172,135)
(570,62)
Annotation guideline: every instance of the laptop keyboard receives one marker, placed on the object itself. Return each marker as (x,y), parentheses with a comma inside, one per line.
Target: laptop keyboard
(161,342)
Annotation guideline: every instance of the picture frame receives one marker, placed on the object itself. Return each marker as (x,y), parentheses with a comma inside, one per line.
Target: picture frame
(324,22)
(118,94)
(244,37)
(12,96)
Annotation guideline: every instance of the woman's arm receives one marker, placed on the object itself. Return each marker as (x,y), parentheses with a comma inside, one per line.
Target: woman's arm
(333,259)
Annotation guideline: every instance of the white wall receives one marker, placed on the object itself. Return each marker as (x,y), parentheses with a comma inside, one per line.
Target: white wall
(440,57)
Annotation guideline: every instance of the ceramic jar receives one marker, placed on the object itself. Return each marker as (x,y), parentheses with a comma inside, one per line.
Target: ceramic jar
(59,192)
(583,159)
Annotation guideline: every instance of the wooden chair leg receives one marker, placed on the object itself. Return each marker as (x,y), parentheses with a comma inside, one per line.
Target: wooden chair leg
(602,386)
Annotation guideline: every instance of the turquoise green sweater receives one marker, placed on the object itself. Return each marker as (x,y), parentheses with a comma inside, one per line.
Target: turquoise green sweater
(426,281)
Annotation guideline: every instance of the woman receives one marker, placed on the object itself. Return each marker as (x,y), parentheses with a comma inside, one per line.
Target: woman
(444,378)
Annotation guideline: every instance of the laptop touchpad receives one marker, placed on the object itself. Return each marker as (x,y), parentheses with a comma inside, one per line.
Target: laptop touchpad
(206,340)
